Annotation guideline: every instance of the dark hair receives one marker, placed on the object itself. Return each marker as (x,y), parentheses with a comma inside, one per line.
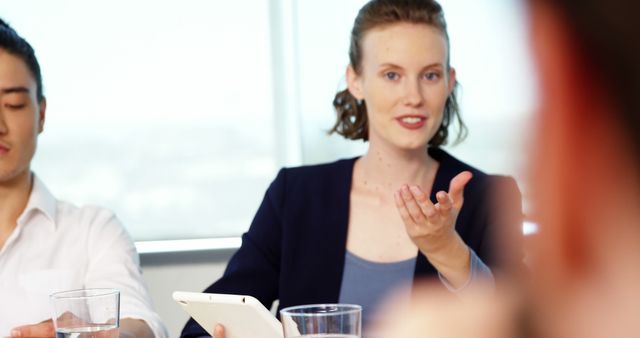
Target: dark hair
(352,121)
(14,44)
(606,34)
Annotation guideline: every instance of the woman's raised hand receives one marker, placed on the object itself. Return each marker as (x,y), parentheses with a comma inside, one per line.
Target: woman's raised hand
(432,226)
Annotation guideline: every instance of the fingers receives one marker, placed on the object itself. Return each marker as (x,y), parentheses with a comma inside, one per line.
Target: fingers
(218,331)
(445,203)
(423,202)
(414,205)
(456,187)
(44,329)
(402,209)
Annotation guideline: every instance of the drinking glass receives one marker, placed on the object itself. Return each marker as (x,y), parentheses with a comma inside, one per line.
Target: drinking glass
(86,313)
(322,321)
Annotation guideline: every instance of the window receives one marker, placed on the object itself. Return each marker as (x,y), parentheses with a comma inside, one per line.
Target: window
(159,110)
(177,114)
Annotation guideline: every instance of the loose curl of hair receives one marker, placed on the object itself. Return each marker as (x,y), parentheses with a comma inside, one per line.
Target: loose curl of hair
(352,121)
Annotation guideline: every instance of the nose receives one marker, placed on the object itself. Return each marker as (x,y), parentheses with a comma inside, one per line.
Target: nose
(413,94)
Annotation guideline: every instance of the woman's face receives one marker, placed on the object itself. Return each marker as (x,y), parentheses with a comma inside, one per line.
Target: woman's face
(405,82)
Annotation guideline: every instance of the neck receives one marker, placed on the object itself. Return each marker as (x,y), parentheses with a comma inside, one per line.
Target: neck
(14,196)
(390,168)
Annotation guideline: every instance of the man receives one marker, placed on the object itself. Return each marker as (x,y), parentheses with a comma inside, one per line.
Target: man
(48,245)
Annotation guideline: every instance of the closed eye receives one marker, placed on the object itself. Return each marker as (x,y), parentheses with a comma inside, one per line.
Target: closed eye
(15,106)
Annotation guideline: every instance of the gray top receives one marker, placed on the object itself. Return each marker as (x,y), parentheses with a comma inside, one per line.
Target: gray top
(367,283)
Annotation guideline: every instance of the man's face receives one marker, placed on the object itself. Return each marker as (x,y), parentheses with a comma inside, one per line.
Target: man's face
(21,117)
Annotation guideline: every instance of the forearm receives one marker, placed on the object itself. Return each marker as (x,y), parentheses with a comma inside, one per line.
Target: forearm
(134,328)
(452,261)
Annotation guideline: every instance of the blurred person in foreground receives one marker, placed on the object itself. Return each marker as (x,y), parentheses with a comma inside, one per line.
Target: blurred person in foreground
(48,245)
(585,178)
(353,230)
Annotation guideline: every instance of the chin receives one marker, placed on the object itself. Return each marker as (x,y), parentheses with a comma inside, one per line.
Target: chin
(413,146)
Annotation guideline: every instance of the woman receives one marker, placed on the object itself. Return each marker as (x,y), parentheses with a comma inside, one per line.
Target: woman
(352,230)
(585,183)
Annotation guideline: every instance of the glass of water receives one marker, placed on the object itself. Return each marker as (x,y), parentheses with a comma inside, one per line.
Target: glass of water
(86,313)
(322,321)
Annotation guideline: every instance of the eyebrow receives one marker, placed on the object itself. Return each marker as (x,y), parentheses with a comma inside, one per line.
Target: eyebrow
(15,90)
(393,65)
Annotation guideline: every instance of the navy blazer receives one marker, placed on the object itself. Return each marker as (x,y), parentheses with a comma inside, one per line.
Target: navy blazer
(295,248)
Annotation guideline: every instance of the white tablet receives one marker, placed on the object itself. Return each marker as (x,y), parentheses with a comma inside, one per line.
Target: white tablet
(242,316)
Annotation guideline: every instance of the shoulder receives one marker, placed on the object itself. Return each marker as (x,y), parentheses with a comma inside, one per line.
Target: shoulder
(450,166)
(91,219)
(481,183)
(102,232)
(322,169)
(327,183)
(325,174)
(87,214)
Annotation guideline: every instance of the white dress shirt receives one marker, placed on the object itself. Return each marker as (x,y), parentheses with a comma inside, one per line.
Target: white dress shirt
(57,247)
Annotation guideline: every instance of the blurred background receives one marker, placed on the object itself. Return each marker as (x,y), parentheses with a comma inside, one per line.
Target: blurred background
(178,114)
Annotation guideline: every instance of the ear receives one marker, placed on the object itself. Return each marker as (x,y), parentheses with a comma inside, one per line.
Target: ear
(354,83)
(41,114)
(452,79)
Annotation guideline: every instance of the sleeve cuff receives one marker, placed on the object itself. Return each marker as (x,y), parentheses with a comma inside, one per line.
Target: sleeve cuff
(480,273)
(153,322)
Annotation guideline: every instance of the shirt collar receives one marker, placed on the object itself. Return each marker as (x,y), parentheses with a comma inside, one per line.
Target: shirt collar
(40,200)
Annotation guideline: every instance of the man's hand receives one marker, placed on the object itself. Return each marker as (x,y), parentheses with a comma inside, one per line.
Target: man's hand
(40,330)
(128,328)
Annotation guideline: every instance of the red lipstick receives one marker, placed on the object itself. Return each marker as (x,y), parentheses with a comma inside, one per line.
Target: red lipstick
(411,121)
